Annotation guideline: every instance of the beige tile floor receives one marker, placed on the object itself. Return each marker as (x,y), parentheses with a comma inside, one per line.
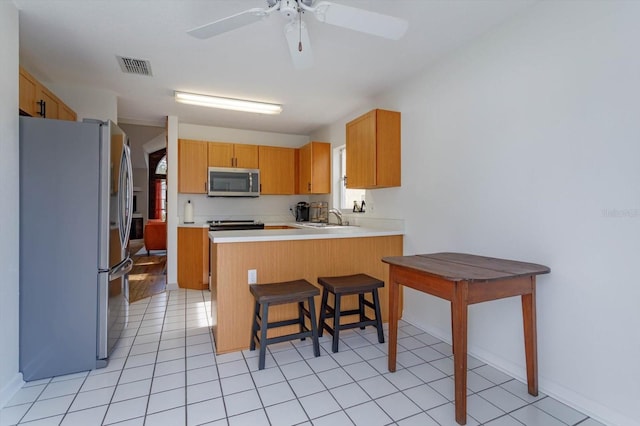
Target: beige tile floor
(164,372)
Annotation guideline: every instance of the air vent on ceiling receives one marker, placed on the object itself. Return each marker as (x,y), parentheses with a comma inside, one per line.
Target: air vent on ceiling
(134,66)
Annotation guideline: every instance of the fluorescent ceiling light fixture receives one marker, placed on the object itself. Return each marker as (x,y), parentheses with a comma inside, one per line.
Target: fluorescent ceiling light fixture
(227,103)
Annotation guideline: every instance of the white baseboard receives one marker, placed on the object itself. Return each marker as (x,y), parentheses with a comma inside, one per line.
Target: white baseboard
(10,388)
(172,286)
(547,386)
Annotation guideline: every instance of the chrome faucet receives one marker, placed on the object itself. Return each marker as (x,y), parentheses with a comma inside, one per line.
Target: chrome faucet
(338,214)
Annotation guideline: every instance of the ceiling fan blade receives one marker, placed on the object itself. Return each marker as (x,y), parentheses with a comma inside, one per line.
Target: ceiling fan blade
(229,23)
(361,20)
(299,44)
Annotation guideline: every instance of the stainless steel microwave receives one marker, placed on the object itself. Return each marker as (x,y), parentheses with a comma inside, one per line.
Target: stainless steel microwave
(233,182)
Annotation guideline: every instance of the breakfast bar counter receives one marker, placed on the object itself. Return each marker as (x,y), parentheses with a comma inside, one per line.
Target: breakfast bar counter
(292,232)
(278,255)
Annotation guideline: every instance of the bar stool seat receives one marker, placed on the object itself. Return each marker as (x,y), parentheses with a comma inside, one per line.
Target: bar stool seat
(339,286)
(276,294)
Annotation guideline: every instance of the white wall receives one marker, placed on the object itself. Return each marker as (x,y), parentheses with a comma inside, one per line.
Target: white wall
(87,102)
(10,379)
(525,145)
(172,203)
(223,134)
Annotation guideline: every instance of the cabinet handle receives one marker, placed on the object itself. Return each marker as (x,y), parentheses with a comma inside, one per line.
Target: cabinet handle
(309,186)
(43,108)
(345,181)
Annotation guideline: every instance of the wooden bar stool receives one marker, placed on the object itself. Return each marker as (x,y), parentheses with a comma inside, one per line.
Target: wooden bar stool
(359,284)
(277,294)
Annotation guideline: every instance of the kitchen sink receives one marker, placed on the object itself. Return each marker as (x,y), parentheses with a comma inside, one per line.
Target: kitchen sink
(320,225)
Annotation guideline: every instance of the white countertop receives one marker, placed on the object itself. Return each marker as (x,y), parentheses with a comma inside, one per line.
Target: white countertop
(300,233)
(193,225)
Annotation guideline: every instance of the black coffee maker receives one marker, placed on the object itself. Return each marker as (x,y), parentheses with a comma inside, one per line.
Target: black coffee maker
(302,211)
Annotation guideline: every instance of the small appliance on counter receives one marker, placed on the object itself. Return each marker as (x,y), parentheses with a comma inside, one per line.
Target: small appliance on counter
(319,212)
(302,211)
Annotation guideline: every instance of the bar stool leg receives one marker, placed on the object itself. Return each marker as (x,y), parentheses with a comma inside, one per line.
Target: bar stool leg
(336,322)
(254,327)
(361,308)
(376,303)
(263,335)
(301,317)
(323,312)
(314,327)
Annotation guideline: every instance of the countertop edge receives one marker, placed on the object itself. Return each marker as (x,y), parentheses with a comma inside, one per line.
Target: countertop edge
(221,237)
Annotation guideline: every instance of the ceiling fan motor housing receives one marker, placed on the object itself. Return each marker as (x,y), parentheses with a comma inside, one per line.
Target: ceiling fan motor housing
(289,8)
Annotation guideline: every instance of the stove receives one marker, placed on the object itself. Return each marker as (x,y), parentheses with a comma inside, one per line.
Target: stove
(234,225)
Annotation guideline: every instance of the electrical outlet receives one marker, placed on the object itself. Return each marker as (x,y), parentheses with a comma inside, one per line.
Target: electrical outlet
(252,276)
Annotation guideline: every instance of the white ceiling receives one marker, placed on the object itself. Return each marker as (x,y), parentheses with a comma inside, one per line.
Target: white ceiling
(75,42)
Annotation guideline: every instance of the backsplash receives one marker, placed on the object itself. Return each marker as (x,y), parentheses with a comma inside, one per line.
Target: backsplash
(271,208)
(267,209)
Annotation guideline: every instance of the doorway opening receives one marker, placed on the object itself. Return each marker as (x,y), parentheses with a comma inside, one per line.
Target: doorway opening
(149,274)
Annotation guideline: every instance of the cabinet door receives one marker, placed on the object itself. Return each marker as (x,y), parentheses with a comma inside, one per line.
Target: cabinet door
(28,90)
(277,170)
(50,103)
(314,176)
(192,166)
(361,151)
(38,101)
(320,168)
(246,156)
(193,258)
(220,154)
(66,113)
(388,149)
(304,175)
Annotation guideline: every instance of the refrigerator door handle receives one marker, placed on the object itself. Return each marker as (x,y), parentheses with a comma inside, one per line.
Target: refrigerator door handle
(125,200)
(121,269)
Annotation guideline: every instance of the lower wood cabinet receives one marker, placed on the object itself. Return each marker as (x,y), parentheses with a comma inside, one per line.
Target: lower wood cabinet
(193,258)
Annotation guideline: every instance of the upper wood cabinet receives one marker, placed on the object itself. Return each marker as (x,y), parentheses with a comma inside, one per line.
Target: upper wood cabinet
(277,170)
(373,150)
(314,168)
(38,101)
(233,155)
(192,166)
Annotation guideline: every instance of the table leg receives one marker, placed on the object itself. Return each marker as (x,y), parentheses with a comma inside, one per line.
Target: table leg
(459,334)
(530,338)
(394,294)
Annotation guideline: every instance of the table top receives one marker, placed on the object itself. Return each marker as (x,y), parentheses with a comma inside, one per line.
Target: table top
(467,267)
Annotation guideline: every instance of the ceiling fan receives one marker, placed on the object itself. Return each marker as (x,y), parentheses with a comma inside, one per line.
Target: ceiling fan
(361,20)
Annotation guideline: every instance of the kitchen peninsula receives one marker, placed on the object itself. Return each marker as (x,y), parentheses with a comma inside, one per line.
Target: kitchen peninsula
(284,255)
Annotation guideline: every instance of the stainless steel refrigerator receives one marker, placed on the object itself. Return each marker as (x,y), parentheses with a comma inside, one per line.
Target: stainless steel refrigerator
(76,203)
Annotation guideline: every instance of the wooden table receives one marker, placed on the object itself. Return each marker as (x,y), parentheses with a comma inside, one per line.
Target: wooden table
(464,279)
